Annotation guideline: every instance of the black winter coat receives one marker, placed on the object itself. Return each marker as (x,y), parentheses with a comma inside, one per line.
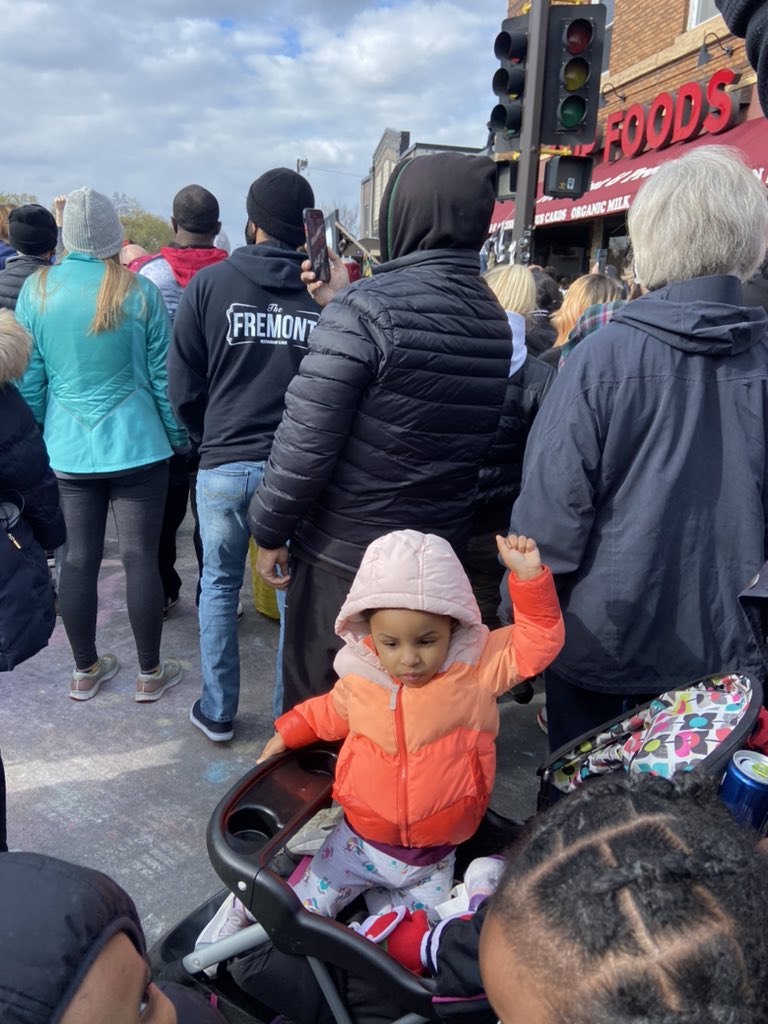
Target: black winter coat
(391,414)
(17,270)
(502,471)
(27,612)
(645,483)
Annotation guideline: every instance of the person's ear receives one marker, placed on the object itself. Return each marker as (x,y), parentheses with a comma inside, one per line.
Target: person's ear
(218,228)
(174,225)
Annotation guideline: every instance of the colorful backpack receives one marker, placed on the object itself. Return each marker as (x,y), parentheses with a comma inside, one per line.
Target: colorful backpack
(698,727)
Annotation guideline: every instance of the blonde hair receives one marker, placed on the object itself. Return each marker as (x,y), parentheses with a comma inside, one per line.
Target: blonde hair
(116,285)
(587,290)
(6,209)
(514,286)
(15,346)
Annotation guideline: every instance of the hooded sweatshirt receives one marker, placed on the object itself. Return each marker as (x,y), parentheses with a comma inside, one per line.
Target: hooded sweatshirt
(174,267)
(418,763)
(56,918)
(240,332)
(399,399)
(645,483)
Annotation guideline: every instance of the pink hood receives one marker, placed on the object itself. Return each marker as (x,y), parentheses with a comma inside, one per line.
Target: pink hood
(407,569)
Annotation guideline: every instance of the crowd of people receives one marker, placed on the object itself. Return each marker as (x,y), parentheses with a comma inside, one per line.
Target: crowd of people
(456,482)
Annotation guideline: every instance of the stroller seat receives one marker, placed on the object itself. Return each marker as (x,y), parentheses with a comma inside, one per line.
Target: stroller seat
(247,836)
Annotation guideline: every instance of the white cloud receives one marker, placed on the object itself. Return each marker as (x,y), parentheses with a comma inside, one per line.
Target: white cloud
(146,97)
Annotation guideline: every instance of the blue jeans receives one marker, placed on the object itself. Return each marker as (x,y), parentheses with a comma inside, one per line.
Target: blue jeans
(223,496)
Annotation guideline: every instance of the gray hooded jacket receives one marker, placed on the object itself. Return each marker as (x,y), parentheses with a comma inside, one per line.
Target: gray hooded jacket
(645,486)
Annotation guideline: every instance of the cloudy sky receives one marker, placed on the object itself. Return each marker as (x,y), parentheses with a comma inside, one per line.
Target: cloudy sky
(146,96)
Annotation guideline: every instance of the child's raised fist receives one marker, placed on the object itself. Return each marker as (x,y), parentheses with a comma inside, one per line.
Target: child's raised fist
(520,555)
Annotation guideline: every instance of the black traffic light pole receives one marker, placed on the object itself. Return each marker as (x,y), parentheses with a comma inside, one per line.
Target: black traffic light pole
(528,171)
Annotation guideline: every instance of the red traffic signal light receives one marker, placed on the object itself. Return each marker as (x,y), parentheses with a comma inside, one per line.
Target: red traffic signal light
(511,48)
(572,67)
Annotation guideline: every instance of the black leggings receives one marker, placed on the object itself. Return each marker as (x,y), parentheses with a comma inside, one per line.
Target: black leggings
(137,501)
(3,833)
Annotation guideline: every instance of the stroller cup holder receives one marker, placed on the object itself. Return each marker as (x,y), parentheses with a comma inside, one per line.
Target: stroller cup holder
(247,834)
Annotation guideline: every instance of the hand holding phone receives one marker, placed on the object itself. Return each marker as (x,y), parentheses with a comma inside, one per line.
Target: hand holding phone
(317,247)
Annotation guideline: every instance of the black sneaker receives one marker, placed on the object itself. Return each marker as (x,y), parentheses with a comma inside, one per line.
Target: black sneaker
(219,732)
(170,602)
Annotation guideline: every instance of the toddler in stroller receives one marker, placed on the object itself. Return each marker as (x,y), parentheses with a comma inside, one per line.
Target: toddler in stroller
(314,969)
(415,706)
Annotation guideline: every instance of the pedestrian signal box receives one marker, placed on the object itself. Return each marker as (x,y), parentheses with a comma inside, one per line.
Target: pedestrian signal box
(567,177)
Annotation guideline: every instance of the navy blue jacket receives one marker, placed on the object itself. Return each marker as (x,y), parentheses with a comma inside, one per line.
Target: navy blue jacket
(27,612)
(391,414)
(644,484)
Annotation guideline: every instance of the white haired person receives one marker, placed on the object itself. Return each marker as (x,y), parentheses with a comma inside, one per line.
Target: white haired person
(646,472)
(97,385)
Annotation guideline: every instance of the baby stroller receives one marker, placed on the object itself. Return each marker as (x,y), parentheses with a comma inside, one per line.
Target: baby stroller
(700,726)
(247,837)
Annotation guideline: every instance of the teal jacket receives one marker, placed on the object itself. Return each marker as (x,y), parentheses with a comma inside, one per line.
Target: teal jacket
(101,399)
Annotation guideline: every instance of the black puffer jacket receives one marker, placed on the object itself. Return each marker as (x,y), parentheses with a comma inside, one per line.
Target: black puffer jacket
(399,398)
(391,413)
(502,471)
(17,270)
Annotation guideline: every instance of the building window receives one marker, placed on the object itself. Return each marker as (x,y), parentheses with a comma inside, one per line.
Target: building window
(609,12)
(701,10)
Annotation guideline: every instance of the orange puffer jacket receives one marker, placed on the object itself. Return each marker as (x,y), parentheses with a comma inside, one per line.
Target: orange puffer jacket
(417,765)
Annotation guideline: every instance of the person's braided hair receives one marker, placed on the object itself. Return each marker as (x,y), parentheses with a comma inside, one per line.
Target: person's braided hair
(638,899)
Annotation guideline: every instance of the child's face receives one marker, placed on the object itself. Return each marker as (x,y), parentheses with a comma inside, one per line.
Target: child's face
(411,645)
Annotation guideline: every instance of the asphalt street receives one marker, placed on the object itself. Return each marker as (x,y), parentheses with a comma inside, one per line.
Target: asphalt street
(128,788)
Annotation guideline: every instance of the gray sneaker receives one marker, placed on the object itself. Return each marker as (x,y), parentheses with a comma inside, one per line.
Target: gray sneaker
(152,685)
(85,685)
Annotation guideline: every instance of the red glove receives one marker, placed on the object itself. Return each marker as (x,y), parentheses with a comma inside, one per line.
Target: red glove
(400,933)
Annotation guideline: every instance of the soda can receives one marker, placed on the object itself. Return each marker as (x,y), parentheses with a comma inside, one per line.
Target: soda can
(744,789)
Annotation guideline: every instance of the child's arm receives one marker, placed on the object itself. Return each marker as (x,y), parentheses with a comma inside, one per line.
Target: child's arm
(520,555)
(319,718)
(521,651)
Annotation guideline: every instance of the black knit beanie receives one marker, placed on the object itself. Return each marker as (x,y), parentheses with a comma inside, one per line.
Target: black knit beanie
(276,201)
(32,230)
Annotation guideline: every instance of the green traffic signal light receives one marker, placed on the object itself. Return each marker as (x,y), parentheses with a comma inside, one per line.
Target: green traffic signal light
(573,111)
(506,119)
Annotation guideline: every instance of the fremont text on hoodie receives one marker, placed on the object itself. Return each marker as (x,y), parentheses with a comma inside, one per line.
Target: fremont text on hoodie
(241,330)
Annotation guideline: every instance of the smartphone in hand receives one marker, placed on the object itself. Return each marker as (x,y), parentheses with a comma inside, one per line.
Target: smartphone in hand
(317,247)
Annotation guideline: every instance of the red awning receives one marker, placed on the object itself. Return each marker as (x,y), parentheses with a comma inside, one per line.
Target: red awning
(615,185)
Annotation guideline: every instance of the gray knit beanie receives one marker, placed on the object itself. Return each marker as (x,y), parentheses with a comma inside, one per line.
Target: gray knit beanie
(91,224)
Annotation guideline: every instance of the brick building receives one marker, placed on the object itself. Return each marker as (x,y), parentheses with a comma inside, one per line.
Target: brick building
(673,78)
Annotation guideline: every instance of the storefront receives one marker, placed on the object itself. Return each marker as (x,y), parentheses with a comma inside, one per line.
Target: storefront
(632,144)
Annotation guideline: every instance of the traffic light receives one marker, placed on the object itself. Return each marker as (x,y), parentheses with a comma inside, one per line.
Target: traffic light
(572,67)
(511,48)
